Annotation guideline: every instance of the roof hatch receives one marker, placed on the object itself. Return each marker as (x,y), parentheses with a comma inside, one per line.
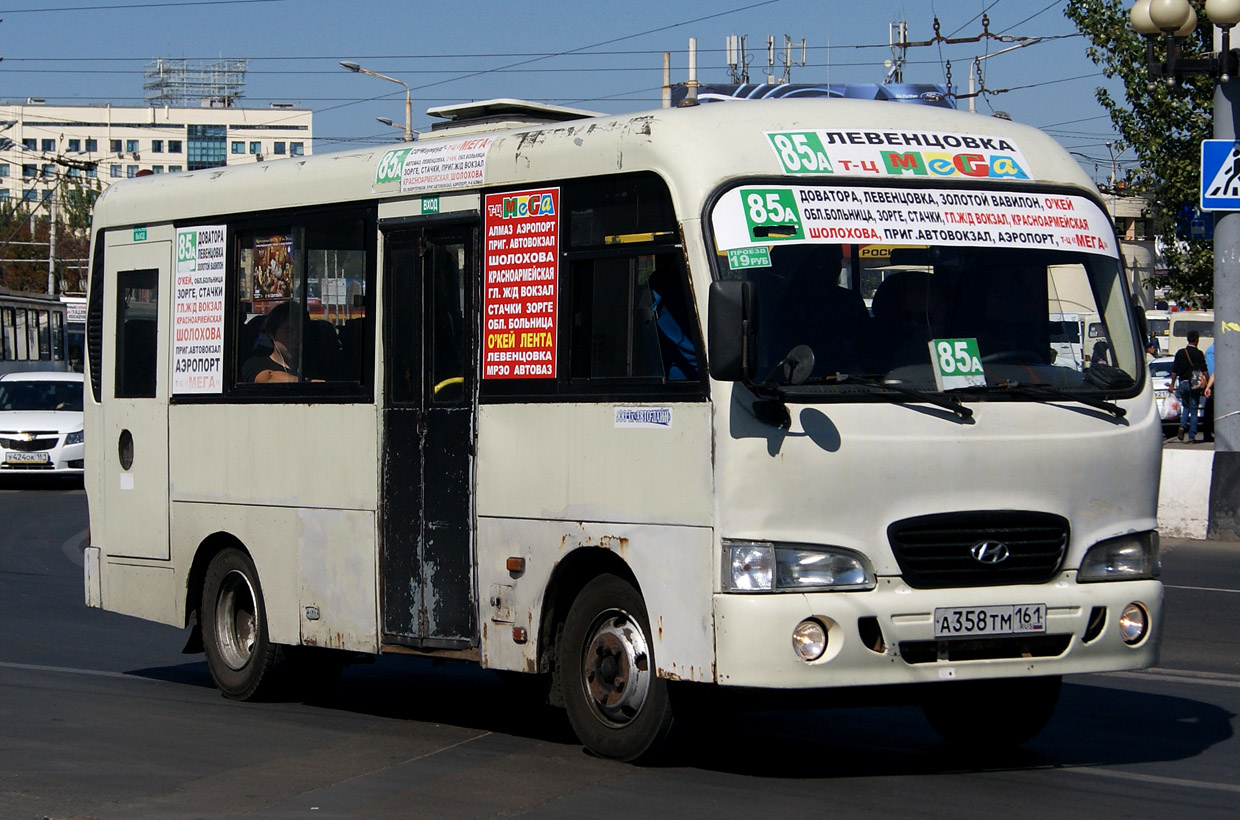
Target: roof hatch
(500,114)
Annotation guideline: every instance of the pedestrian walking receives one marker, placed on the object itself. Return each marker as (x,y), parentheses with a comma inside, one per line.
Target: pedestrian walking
(1188,380)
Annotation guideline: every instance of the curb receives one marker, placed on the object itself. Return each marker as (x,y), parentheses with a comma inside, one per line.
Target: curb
(1184,492)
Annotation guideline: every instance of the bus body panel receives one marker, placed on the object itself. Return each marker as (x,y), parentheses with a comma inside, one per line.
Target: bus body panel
(843,472)
(557,477)
(671,564)
(575,462)
(279,457)
(149,590)
(135,376)
(272,536)
(695,149)
(753,634)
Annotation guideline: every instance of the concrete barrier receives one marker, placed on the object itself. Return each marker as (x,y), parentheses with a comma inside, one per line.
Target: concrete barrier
(1184,494)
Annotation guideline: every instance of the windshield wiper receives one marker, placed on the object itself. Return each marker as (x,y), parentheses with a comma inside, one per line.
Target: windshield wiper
(1044,394)
(937,399)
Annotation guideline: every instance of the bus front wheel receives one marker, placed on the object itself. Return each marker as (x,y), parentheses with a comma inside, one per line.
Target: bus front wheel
(616,702)
(244,663)
(965,712)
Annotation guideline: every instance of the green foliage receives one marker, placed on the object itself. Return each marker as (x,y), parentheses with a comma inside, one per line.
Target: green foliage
(78,203)
(1163,125)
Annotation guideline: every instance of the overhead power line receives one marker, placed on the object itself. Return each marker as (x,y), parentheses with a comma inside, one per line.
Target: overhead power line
(97,7)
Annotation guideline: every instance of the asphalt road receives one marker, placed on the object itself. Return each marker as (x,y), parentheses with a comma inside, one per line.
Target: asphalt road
(102,717)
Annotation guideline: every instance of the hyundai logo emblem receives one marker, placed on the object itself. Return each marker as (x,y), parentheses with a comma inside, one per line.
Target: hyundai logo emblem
(990,552)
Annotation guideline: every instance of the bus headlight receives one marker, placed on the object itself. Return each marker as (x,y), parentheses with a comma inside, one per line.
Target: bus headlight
(1127,558)
(766,567)
(809,640)
(1133,624)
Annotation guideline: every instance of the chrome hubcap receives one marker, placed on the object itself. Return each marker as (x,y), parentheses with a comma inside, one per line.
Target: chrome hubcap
(236,620)
(616,667)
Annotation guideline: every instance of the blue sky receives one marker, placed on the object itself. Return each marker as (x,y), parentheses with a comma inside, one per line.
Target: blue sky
(584,53)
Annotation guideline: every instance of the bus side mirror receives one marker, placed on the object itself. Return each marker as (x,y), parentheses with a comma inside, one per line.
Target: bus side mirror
(732,330)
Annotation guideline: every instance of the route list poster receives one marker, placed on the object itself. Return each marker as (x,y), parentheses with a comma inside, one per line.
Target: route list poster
(522,280)
(198,317)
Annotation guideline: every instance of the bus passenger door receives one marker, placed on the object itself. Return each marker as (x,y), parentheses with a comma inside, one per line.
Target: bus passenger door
(134,432)
(428,437)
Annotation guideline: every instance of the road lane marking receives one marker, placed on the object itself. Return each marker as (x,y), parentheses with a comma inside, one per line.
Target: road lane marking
(69,670)
(1204,589)
(73,546)
(1223,679)
(1153,778)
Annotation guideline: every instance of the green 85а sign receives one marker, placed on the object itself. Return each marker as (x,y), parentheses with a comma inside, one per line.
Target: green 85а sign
(772,214)
(187,246)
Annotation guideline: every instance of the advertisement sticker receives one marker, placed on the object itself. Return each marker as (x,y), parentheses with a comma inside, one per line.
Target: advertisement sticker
(436,165)
(198,310)
(764,217)
(522,273)
(928,154)
(273,271)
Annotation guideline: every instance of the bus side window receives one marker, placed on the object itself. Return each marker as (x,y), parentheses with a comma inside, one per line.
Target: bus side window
(316,268)
(630,320)
(137,313)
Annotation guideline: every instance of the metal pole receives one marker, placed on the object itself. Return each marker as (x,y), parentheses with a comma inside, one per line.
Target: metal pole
(51,246)
(667,79)
(1224,521)
(408,116)
(972,93)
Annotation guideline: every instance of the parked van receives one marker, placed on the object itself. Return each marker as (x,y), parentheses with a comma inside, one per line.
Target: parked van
(1183,321)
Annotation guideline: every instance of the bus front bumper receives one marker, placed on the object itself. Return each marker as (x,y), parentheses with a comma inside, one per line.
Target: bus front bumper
(887,635)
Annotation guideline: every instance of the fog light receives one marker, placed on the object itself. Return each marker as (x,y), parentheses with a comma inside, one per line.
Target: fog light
(809,640)
(1133,624)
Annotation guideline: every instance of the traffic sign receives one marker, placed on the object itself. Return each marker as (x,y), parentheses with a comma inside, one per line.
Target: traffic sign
(1220,175)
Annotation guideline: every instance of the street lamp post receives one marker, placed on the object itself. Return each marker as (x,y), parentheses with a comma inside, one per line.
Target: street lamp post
(1174,20)
(357,69)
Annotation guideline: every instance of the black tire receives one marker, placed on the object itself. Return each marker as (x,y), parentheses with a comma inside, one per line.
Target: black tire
(616,703)
(244,663)
(991,715)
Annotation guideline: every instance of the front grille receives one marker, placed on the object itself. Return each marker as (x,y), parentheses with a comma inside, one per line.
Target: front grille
(935,551)
(22,445)
(985,649)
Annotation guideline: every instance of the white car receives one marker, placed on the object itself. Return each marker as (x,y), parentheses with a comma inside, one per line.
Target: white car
(41,423)
(1164,397)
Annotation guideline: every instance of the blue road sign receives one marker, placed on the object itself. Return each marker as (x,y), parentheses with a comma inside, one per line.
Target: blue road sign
(1220,175)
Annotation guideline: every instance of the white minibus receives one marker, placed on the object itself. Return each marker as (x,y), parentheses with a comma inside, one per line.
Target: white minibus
(598,399)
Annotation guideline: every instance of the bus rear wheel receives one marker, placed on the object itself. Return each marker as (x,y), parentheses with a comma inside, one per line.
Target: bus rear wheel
(244,663)
(964,714)
(616,702)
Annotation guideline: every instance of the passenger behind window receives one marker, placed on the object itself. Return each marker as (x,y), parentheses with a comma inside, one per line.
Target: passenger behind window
(283,327)
(672,315)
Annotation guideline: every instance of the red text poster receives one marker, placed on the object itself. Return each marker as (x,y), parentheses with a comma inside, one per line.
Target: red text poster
(522,282)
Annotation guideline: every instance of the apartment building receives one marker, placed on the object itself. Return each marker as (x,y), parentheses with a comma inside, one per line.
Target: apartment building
(42,144)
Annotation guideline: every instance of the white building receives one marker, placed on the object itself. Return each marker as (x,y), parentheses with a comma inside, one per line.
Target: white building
(40,144)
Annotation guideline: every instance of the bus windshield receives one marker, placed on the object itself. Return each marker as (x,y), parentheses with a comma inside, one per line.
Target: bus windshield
(911,288)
